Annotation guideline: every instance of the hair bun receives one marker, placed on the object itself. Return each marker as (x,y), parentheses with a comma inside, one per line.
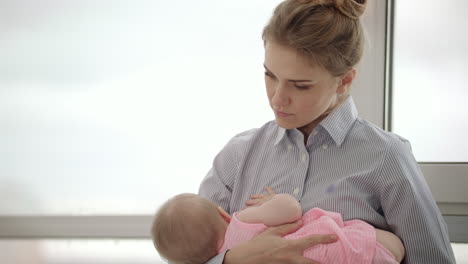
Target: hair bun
(351,8)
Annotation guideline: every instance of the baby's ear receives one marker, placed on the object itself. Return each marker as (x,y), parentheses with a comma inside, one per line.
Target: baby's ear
(224,214)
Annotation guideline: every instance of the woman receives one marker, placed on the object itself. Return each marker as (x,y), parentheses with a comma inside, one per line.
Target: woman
(318,149)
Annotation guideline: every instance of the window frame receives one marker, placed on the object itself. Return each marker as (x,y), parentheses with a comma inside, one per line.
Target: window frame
(450,195)
(448,191)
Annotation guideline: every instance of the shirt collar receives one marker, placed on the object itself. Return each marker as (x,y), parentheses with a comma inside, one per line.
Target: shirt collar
(280,134)
(337,123)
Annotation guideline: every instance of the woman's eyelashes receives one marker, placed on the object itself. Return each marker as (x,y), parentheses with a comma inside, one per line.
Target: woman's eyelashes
(268,74)
(300,87)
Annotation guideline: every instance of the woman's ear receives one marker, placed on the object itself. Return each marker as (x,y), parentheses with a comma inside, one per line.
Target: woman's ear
(224,214)
(346,81)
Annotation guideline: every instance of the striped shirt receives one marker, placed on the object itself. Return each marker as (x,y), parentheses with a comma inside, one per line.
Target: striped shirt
(348,165)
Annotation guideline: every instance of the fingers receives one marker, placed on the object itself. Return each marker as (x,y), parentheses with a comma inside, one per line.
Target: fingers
(270,190)
(257,196)
(307,242)
(261,195)
(256,199)
(252,202)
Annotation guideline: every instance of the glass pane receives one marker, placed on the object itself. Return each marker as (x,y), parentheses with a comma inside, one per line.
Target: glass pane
(110,107)
(429,85)
(78,252)
(105,252)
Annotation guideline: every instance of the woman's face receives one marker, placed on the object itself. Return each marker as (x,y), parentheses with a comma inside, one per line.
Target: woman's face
(299,93)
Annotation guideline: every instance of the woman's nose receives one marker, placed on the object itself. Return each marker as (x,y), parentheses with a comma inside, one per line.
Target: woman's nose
(280,98)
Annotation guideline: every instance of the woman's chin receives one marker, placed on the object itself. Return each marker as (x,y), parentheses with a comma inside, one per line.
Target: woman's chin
(283,124)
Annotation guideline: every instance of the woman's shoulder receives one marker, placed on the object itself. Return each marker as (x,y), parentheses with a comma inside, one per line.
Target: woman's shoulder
(242,143)
(250,136)
(394,147)
(376,134)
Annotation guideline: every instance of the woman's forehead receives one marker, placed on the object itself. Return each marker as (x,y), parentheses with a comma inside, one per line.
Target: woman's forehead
(288,63)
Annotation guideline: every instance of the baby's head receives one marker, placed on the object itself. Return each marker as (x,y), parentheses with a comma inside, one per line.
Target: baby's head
(189,229)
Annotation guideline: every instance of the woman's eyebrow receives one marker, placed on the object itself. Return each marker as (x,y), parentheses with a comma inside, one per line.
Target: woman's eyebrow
(288,79)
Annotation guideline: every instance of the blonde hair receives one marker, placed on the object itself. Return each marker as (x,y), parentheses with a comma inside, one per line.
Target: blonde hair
(187,229)
(328,32)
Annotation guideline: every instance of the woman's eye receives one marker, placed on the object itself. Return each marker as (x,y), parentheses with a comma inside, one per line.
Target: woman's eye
(269,74)
(302,87)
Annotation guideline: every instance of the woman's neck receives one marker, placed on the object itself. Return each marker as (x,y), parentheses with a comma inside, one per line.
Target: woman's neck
(307,129)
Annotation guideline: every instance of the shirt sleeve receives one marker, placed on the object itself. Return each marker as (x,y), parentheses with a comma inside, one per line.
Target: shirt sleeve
(410,209)
(217,184)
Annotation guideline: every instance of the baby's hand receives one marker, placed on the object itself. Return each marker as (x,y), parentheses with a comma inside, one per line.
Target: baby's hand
(259,199)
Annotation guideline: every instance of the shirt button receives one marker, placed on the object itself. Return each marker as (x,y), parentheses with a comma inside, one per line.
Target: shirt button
(289,147)
(314,133)
(325,146)
(296,191)
(304,157)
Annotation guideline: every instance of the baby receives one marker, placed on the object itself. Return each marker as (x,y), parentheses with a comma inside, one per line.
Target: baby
(191,229)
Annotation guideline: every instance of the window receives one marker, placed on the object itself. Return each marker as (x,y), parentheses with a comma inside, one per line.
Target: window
(108,108)
(78,251)
(103,104)
(428,94)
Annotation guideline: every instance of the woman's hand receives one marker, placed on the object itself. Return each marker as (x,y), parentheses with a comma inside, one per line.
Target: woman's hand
(259,199)
(270,247)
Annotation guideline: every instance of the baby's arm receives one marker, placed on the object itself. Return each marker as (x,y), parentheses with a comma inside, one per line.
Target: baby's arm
(391,242)
(280,209)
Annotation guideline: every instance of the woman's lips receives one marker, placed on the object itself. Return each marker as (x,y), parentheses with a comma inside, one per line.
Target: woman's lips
(282,114)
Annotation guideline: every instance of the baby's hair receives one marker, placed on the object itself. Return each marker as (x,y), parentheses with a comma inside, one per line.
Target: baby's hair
(328,32)
(186,231)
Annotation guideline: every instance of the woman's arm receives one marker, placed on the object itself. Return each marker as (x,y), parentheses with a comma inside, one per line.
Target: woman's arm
(410,209)
(270,247)
(277,210)
(218,183)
